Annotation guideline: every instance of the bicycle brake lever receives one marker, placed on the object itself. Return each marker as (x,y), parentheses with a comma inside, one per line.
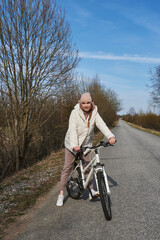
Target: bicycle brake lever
(83,149)
(104,144)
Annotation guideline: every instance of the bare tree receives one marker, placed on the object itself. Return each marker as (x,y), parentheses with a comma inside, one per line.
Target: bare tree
(155,86)
(132,111)
(106,100)
(36,56)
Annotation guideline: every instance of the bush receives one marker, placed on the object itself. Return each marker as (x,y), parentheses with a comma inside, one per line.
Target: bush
(146,120)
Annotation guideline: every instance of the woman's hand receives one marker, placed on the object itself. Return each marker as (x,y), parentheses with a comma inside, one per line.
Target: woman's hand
(112,140)
(76,149)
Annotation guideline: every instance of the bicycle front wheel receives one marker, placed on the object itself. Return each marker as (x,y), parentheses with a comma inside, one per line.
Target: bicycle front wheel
(73,185)
(105,198)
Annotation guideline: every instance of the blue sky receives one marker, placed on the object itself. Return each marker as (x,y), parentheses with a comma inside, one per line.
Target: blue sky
(119,40)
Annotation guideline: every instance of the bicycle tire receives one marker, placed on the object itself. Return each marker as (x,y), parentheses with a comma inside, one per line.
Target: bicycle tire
(73,185)
(104,197)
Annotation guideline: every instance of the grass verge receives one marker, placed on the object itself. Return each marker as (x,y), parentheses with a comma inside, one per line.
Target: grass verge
(21,191)
(145,129)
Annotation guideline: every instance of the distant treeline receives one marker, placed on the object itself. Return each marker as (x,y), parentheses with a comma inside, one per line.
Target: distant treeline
(147,120)
(47,128)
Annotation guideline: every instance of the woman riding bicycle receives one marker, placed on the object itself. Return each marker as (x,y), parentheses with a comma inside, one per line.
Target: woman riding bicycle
(80,132)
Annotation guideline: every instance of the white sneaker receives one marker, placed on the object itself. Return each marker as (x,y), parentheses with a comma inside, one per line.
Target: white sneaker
(60,200)
(94,194)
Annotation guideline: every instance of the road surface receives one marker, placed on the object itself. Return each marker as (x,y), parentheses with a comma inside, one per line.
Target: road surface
(133,166)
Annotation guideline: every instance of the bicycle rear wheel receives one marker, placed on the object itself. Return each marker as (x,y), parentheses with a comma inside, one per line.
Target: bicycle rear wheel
(105,198)
(73,186)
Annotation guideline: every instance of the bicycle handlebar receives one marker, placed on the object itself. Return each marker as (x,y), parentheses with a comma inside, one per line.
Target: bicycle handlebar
(101,144)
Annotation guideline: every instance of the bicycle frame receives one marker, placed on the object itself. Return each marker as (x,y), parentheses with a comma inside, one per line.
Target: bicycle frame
(79,180)
(96,166)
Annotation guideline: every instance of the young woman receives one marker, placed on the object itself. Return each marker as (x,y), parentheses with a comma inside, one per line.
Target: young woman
(80,132)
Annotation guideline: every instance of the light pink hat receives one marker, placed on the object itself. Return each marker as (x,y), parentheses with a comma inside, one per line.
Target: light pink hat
(86,97)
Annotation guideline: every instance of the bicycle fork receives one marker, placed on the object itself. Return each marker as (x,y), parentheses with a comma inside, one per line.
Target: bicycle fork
(101,168)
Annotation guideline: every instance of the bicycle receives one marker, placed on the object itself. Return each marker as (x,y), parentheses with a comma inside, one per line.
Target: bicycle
(77,182)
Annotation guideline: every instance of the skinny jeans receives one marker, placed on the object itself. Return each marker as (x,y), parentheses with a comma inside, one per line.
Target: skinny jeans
(68,166)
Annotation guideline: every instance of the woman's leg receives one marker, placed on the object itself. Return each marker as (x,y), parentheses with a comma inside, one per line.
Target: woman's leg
(86,160)
(68,164)
(95,193)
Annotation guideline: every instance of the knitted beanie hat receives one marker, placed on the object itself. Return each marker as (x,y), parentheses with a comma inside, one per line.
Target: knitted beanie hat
(86,97)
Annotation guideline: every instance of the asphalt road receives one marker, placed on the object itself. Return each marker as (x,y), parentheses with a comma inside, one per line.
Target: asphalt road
(133,166)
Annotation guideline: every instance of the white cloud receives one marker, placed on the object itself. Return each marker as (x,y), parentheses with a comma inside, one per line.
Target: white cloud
(125,57)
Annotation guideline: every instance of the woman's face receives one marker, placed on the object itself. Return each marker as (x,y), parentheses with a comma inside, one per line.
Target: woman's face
(86,106)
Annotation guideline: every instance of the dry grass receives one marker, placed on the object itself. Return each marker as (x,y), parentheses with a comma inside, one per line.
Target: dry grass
(144,129)
(145,120)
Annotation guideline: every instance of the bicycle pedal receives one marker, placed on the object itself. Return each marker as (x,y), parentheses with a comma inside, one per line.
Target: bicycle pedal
(95,196)
(91,197)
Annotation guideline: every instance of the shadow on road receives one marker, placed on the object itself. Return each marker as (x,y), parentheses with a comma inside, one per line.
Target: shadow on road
(112,181)
(85,194)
